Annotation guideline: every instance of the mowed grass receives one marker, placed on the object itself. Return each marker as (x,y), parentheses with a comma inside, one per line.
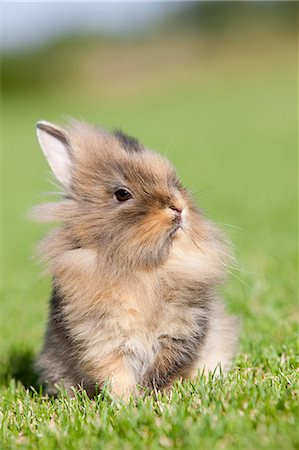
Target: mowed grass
(231,131)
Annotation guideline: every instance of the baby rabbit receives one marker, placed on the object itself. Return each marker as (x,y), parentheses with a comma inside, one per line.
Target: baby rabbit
(135,269)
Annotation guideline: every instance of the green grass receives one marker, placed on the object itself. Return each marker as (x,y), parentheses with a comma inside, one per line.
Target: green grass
(231,131)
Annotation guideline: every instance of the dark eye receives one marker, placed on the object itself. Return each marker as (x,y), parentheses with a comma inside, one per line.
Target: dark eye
(122,195)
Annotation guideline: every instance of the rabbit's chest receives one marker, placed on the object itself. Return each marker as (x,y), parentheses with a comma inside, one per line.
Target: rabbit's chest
(143,320)
(135,320)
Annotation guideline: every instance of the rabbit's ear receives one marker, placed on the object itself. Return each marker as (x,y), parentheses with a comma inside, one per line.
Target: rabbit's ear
(54,143)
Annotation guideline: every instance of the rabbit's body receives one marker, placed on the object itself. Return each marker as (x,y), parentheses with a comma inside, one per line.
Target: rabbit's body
(133,299)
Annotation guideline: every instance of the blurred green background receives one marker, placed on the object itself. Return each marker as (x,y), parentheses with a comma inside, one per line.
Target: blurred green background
(213,85)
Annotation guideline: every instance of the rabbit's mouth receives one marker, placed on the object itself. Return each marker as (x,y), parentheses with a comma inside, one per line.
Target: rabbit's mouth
(176,228)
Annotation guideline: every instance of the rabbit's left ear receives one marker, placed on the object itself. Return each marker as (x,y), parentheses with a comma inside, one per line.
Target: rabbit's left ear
(54,143)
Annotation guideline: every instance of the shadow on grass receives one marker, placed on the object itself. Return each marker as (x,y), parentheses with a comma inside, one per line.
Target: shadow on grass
(19,365)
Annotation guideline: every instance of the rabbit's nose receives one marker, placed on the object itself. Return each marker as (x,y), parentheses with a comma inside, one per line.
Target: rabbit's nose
(178,212)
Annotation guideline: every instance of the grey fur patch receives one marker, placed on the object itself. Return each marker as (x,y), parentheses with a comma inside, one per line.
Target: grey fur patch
(129,143)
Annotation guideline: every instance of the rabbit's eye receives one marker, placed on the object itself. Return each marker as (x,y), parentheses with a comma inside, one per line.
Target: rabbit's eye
(122,195)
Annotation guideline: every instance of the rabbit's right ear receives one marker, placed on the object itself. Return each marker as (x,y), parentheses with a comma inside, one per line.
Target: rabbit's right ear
(54,143)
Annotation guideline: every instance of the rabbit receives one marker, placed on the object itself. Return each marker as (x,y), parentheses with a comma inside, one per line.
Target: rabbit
(135,268)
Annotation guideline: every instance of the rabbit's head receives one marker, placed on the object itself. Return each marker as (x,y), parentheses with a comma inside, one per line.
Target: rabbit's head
(122,200)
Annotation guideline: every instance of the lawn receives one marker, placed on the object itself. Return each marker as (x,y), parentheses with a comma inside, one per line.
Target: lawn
(231,130)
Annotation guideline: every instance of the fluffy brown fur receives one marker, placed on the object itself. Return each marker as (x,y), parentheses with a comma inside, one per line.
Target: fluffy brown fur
(134,298)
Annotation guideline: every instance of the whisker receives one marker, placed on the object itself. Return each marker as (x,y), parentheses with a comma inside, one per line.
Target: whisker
(178,130)
(240,270)
(53,193)
(53,182)
(237,278)
(230,225)
(195,243)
